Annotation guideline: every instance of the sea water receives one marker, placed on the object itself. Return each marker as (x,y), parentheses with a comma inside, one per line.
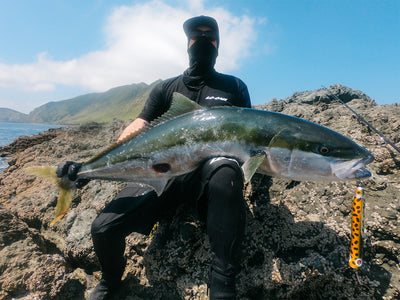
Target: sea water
(10,131)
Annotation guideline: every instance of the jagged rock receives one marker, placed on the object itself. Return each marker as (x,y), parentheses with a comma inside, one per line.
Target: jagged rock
(321,97)
(297,236)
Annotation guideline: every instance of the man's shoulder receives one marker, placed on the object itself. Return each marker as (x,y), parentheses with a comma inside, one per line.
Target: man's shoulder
(228,78)
(168,84)
(164,90)
(172,80)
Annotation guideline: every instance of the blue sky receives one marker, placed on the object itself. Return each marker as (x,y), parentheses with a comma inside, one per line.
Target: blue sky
(55,50)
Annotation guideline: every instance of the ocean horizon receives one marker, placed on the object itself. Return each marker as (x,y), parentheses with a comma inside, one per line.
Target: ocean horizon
(11,131)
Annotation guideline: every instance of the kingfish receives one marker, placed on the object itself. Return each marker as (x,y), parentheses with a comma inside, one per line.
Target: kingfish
(186,135)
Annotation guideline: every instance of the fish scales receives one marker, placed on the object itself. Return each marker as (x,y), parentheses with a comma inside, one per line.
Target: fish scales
(231,132)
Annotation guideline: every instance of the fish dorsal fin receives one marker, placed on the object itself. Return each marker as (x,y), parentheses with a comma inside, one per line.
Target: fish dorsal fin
(179,106)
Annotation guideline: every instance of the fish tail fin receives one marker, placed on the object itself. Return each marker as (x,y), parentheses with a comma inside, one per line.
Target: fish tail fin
(45,172)
(67,189)
(63,203)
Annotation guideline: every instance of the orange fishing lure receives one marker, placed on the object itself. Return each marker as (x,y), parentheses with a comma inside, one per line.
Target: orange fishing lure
(355,260)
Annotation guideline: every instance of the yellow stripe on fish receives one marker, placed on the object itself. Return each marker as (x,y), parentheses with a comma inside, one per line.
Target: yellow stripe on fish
(355,260)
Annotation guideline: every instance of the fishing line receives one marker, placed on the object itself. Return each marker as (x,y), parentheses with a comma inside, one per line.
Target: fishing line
(386,140)
(357,214)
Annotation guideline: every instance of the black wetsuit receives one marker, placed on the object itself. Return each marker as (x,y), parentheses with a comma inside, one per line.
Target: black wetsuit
(215,187)
(214,90)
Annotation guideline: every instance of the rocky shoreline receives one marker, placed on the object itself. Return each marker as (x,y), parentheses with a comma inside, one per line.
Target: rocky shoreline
(297,237)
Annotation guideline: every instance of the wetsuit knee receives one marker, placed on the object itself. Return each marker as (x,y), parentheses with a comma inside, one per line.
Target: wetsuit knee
(228,177)
(97,227)
(216,164)
(225,183)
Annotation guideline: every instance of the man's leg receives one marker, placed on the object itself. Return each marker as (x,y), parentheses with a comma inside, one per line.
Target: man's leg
(133,210)
(226,219)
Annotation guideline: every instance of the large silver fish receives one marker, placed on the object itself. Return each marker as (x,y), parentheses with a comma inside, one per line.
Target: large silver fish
(261,141)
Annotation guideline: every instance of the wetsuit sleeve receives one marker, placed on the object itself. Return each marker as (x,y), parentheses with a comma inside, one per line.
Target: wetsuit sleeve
(154,106)
(243,95)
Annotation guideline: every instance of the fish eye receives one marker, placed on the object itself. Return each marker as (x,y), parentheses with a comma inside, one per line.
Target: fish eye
(323,150)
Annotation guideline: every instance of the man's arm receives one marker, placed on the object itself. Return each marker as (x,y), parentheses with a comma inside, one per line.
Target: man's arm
(151,110)
(244,94)
(136,125)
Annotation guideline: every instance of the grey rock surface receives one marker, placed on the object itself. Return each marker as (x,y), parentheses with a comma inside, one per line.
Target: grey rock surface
(297,236)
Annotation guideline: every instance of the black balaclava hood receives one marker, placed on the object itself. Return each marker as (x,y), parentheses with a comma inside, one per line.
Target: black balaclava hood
(202,54)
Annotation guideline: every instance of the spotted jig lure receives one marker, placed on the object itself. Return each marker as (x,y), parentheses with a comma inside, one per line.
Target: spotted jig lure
(357,219)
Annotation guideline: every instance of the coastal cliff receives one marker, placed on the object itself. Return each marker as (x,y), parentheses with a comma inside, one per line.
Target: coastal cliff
(297,236)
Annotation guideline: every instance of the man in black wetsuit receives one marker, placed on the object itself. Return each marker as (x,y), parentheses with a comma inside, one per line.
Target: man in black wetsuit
(215,188)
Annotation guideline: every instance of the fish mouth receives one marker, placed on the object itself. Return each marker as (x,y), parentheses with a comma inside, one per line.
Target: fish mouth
(352,169)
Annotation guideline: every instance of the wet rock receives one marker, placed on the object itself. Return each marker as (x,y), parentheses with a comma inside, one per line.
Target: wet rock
(297,235)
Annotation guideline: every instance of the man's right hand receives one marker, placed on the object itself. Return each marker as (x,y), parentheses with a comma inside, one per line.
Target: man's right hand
(71,169)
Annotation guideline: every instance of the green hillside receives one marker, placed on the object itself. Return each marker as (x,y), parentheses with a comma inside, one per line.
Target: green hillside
(12,116)
(124,102)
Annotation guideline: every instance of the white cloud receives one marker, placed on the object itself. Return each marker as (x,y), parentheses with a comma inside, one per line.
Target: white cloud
(144,42)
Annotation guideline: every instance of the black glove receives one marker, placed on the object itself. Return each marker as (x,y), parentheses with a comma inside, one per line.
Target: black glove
(80,183)
(71,169)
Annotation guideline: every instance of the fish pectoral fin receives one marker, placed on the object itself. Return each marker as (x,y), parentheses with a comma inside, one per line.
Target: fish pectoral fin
(252,164)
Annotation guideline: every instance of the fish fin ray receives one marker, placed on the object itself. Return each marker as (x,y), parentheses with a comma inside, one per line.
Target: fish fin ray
(180,105)
(251,165)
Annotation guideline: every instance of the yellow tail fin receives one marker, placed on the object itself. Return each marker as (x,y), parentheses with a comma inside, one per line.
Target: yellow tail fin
(67,189)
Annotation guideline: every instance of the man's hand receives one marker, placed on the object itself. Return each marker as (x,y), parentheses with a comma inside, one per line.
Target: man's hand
(71,169)
(136,125)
